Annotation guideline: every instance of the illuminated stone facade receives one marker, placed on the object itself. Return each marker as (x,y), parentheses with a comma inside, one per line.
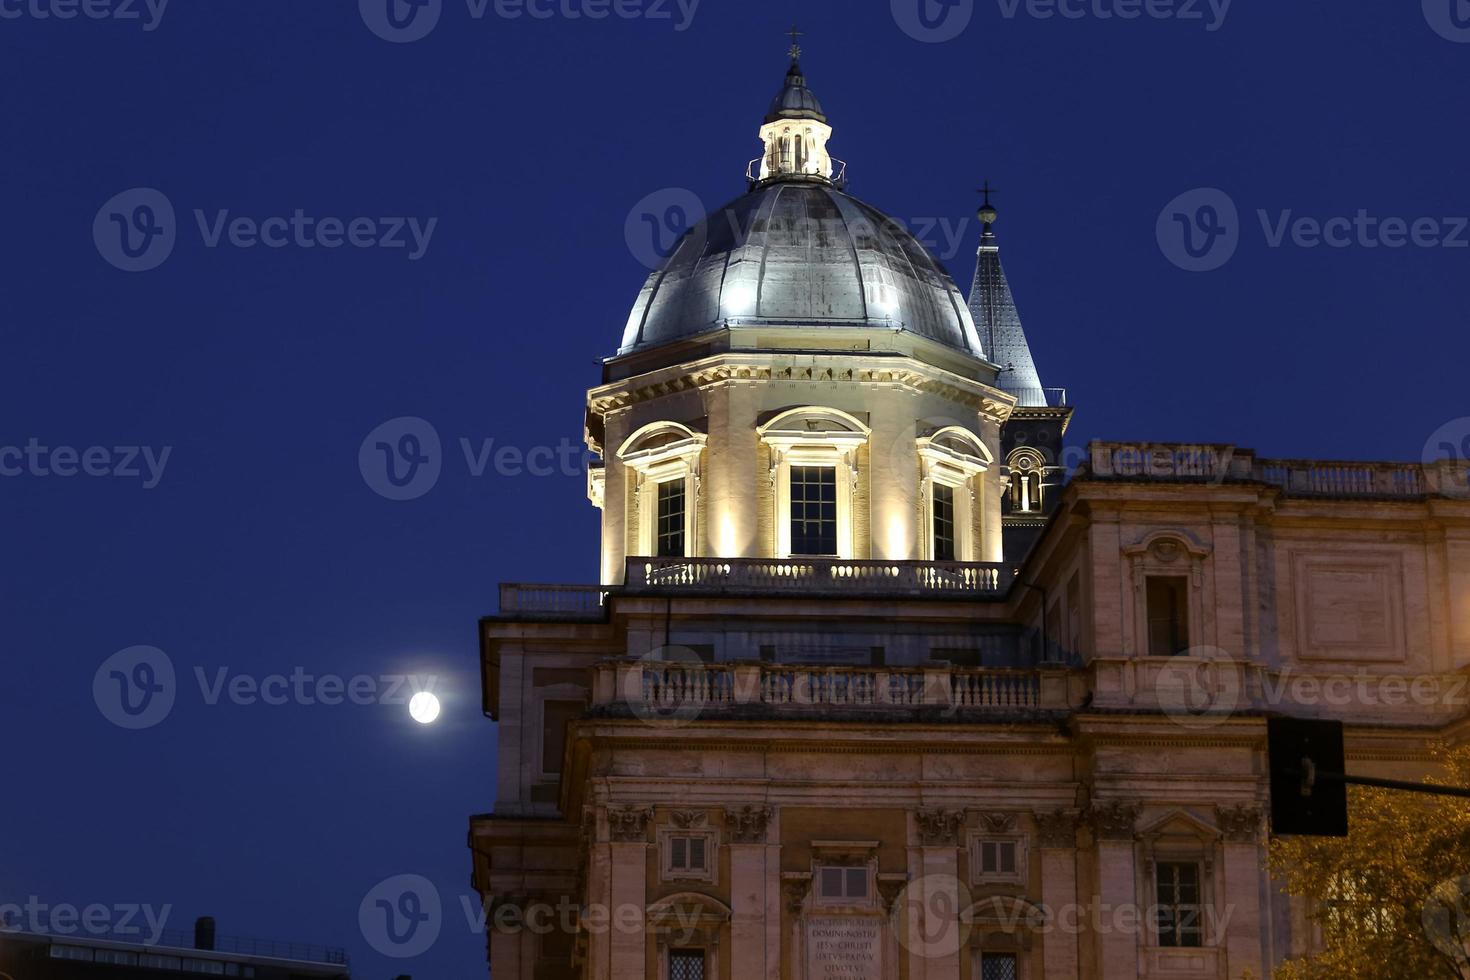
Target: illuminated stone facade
(964,723)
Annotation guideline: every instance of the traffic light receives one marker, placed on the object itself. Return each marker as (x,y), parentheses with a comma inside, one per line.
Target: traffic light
(1300,802)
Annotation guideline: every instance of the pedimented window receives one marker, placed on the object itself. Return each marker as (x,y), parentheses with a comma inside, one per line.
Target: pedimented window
(814,475)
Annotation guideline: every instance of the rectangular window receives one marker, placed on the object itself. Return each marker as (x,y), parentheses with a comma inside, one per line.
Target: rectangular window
(687,853)
(998,857)
(998,966)
(1179,906)
(836,884)
(944,537)
(686,964)
(670,542)
(1168,615)
(814,510)
(555,715)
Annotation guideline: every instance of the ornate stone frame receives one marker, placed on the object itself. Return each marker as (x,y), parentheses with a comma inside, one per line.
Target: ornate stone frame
(1172,553)
(999,828)
(953,457)
(688,920)
(1004,924)
(1024,461)
(1180,836)
(676,458)
(793,439)
(688,824)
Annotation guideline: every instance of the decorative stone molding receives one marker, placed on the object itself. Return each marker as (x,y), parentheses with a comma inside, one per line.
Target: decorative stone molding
(689,819)
(1240,824)
(795,887)
(939,827)
(1058,828)
(724,369)
(629,823)
(747,825)
(1114,820)
(998,823)
(890,888)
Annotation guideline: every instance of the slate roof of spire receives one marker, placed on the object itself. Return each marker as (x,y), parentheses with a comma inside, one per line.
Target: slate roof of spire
(994,311)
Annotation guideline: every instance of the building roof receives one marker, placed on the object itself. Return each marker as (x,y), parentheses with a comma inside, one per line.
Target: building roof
(795,100)
(800,254)
(993,309)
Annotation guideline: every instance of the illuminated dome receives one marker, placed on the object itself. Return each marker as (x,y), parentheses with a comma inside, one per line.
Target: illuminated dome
(798,253)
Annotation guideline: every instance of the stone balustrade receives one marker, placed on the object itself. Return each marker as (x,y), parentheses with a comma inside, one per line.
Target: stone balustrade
(671,687)
(1217,462)
(825,576)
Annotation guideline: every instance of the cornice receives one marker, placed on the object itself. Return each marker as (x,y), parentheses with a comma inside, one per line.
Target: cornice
(903,372)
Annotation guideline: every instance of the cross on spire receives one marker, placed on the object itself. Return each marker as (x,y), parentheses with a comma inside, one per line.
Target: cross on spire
(987,190)
(795,51)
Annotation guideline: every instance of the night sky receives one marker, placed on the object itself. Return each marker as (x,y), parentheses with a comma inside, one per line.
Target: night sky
(528,153)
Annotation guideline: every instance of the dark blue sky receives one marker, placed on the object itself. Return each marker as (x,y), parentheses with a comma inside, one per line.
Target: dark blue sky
(262,549)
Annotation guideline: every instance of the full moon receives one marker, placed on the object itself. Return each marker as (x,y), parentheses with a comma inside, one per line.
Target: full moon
(424,707)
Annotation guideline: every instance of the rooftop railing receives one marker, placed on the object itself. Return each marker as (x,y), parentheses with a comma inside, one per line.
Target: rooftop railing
(826,576)
(574,602)
(1213,463)
(657,689)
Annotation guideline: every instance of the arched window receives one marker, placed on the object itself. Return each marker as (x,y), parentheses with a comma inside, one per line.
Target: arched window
(1026,466)
(814,476)
(950,459)
(662,462)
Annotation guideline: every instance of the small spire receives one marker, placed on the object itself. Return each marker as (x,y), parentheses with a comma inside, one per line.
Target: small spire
(795,51)
(987,213)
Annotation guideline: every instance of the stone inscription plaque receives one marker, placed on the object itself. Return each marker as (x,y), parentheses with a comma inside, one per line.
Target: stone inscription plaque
(844,949)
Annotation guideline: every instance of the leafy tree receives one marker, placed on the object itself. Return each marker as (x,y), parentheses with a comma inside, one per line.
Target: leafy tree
(1393,897)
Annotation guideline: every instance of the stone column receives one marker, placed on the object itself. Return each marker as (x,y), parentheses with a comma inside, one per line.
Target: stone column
(1058,840)
(732,519)
(936,897)
(1117,889)
(755,946)
(628,872)
(1243,941)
